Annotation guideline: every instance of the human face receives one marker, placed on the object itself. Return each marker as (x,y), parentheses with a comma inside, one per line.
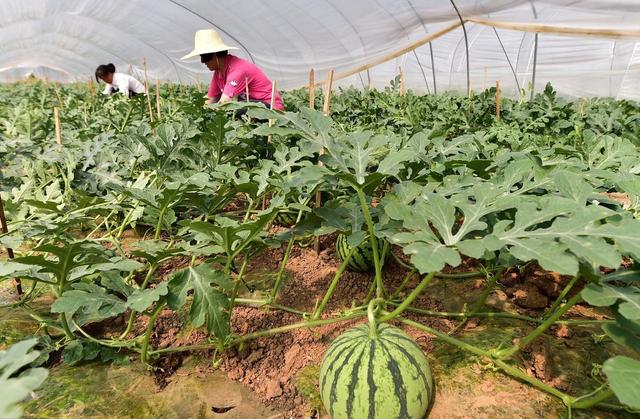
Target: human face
(108,78)
(212,62)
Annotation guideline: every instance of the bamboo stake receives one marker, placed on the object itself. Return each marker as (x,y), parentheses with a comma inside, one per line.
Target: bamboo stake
(581,107)
(497,100)
(246,88)
(401,81)
(56,121)
(369,83)
(158,98)
(312,89)
(56,90)
(326,109)
(146,88)
(559,30)
(271,105)
(484,79)
(5,230)
(198,82)
(395,54)
(90,87)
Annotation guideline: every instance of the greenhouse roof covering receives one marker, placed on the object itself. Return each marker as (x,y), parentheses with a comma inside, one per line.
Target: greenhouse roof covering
(584,48)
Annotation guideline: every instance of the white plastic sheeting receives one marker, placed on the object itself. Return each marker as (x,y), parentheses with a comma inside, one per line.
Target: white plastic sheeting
(65,40)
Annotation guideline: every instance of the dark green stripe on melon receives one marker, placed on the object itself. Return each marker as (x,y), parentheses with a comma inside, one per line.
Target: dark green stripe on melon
(286,218)
(362,258)
(383,377)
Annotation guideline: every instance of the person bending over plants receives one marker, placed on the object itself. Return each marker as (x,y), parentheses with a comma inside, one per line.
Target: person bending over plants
(233,77)
(118,82)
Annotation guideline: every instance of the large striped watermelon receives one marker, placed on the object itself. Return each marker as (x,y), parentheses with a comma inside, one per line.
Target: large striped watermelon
(362,259)
(386,376)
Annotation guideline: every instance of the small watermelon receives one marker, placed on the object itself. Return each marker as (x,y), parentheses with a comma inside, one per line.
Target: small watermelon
(286,218)
(362,259)
(386,376)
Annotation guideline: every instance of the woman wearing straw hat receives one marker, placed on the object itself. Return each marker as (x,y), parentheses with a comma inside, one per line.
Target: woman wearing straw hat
(233,77)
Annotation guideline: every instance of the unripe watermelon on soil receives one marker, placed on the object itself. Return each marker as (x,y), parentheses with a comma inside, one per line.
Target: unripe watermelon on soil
(385,376)
(362,259)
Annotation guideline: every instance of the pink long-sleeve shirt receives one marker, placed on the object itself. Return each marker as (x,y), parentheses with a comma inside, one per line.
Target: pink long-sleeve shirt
(232,81)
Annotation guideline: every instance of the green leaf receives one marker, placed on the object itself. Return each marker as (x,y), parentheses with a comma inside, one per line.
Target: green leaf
(606,295)
(624,378)
(573,186)
(91,299)
(17,387)
(140,300)
(209,305)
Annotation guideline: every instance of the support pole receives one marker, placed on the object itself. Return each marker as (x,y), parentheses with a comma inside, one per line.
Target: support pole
(56,121)
(158,98)
(146,88)
(312,88)
(497,100)
(466,47)
(5,230)
(535,62)
(326,109)
(401,81)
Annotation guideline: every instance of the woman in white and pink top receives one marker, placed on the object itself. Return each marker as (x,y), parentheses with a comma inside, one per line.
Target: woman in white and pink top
(232,76)
(118,82)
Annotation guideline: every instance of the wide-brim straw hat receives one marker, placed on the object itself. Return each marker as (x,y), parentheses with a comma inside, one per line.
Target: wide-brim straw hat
(207,41)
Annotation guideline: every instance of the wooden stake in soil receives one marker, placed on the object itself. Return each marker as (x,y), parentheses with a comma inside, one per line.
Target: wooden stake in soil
(158,98)
(5,230)
(56,122)
(401,81)
(146,88)
(497,100)
(246,89)
(369,83)
(271,105)
(326,109)
(312,88)
(56,90)
(581,107)
(90,88)
(484,79)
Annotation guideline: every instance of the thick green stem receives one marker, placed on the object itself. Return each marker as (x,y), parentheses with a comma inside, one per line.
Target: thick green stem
(132,315)
(159,225)
(587,402)
(372,241)
(283,264)
(239,279)
(403,284)
(481,300)
(261,333)
(63,316)
(513,371)
(410,298)
(334,283)
(487,291)
(144,354)
(561,297)
(507,353)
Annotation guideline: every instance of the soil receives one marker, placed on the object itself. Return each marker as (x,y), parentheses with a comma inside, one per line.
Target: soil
(281,370)
(272,367)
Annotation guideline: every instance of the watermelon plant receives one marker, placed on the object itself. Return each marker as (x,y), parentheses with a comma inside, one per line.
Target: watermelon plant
(436,177)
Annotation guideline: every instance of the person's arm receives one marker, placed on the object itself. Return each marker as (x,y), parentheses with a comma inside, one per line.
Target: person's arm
(224,99)
(235,85)
(213,93)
